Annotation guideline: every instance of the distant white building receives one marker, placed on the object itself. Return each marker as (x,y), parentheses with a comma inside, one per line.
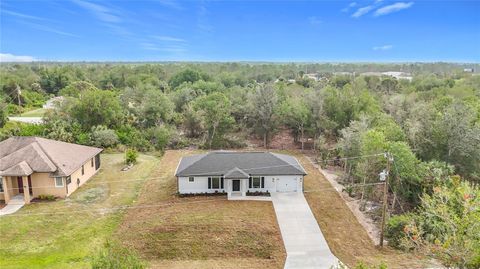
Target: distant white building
(468,70)
(50,104)
(393,74)
(311,76)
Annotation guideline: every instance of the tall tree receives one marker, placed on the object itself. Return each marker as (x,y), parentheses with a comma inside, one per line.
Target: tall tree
(264,101)
(215,109)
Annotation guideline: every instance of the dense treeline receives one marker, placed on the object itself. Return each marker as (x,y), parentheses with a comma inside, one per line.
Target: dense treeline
(431,124)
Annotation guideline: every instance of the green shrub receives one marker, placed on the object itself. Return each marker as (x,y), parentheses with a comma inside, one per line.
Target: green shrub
(131,156)
(13,128)
(160,137)
(394,231)
(115,256)
(101,136)
(47,197)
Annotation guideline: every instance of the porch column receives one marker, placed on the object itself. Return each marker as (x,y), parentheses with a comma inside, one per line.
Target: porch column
(26,190)
(244,185)
(229,187)
(6,189)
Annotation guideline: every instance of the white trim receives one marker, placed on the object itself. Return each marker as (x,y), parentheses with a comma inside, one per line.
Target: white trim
(59,186)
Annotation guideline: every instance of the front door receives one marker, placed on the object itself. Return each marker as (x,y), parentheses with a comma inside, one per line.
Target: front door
(235,185)
(20,184)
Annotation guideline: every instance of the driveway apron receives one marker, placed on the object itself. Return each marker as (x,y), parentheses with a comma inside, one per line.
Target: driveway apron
(304,242)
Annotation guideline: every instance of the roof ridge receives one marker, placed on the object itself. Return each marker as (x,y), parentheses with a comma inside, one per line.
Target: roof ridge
(46,153)
(36,143)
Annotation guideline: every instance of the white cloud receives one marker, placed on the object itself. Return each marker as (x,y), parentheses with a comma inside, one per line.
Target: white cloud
(383,48)
(314,20)
(351,5)
(21,15)
(168,38)
(392,8)
(46,28)
(362,11)
(101,12)
(170,3)
(7,57)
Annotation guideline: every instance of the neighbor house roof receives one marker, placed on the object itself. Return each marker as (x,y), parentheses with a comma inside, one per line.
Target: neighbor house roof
(239,164)
(21,156)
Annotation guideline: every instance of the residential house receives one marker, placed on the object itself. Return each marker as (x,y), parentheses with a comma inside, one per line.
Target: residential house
(33,166)
(239,173)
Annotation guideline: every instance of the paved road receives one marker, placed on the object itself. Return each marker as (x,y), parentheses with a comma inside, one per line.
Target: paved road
(304,242)
(35,120)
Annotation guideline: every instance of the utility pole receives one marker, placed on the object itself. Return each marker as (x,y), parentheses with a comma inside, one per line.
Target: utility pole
(19,92)
(384,177)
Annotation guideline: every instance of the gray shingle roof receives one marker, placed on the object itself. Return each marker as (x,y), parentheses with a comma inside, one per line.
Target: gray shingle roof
(236,173)
(252,163)
(44,155)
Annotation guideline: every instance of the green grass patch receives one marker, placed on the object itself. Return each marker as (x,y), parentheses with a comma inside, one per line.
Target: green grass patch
(66,233)
(39,112)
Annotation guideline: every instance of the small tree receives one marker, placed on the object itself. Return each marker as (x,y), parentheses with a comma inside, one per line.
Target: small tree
(447,225)
(103,137)
(131,156)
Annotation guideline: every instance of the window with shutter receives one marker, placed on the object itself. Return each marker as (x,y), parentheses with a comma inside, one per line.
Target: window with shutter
(221,183)
(209,183)
(250,182)
(263,182)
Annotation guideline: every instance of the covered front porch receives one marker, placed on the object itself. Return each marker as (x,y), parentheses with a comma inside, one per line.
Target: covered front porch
(16,188)
(236,181)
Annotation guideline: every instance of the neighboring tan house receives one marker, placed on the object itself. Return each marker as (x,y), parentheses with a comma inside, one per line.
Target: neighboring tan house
(239,172)
(33,166)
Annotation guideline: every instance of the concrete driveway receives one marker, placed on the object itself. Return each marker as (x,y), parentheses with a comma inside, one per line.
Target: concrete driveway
(304,242)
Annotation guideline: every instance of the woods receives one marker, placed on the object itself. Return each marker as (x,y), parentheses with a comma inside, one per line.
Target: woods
(430,125)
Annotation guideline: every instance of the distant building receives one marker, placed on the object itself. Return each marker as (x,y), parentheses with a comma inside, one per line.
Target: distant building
(468,70)
(51,103)
(313,76)
(393,74)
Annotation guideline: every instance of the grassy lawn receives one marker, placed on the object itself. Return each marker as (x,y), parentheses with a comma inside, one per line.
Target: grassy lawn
(199,232)
(34,113)
(64,233)
(345,236)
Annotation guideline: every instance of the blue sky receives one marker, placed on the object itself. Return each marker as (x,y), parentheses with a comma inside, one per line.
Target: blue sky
(158,30)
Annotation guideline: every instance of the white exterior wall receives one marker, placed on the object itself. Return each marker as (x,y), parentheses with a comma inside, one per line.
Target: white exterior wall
(199,185)
(271,183)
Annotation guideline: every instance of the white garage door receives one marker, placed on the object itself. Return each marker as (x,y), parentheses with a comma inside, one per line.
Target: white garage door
(286,184)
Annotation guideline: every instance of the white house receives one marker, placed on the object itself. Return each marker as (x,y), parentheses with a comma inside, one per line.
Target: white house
(239,172)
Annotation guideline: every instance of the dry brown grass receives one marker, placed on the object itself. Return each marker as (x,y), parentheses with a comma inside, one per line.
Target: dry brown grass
(345,235)
(200,232)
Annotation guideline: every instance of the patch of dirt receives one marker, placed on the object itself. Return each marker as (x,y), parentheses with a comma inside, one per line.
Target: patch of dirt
(354,204)
(281,140)
(92,195)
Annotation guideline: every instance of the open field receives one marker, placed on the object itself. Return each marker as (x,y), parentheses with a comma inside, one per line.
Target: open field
(347,239)
(200,232)
(64,233)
